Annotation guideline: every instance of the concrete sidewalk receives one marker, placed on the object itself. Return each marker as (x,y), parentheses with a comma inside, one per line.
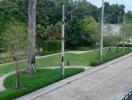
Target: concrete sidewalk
(110,81)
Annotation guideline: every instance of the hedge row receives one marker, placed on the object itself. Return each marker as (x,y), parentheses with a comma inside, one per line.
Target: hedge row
(51,46)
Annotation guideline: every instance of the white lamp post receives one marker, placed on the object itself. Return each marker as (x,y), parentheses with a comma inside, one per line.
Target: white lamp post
(63,40)
(102,32)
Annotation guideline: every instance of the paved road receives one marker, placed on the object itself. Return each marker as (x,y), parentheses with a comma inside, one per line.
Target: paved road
(109,83)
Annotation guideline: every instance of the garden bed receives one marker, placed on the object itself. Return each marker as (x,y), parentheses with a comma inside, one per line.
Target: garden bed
(32,82)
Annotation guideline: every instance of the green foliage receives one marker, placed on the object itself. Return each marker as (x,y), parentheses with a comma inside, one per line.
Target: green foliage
(110,56)
(129,17)
(16,39)
(53,45)
(2,28)
(53,31)
(49,15)
(74,33)
(91,30)
(127,28)
(112,40)
(82,32)
(31,82)
(126,33)
(83,59)
(80,28)
(114,13)
(2,42)
(5,59)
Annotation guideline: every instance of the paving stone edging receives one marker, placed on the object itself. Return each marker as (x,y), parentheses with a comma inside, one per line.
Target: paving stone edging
(66,81)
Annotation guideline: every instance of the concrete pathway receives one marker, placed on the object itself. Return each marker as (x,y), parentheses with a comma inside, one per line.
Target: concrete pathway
(2,80)
(2,77)
(55,67)
(38,57)
(110,81)
(80,52)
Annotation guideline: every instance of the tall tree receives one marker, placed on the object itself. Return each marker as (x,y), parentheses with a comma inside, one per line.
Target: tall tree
(32,5)
(129,17)
(91,30)
(74,33)
(113,13)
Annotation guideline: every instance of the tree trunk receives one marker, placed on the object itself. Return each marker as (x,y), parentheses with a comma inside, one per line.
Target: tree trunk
(17,75)
(123,47)
(31,67)
(117,49)
(110,49)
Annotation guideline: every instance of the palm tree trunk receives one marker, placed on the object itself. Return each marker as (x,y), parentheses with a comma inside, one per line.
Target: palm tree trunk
(31,67)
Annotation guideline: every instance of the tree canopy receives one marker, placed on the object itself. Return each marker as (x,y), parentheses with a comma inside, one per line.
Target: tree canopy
(49,16)
(113,13)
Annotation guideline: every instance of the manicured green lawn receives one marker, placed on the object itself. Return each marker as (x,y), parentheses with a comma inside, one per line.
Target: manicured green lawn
(43,77)
(85,59)
(110,56)
(31,82)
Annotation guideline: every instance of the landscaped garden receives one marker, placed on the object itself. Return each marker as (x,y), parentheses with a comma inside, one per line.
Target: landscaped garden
(31,82)
(42,78)
(84,59)
(30,30)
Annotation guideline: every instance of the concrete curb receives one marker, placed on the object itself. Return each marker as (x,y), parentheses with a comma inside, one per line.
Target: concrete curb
(64,82)
(2,88)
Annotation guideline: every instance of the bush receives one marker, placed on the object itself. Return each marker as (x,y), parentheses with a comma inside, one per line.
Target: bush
(5,60)
(109,57)
(111,41)
(51,46)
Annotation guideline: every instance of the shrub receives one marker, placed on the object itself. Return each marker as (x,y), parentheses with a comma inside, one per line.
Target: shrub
(109,57)
(50,46)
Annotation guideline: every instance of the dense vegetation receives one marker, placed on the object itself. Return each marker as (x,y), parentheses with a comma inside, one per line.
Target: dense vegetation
(48,15)
(41,77)
(81,20)
(23,35)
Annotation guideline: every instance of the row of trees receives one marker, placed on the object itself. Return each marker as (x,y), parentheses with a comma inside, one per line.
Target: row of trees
(129,17)
(49,19)
(113,13)
(48,15)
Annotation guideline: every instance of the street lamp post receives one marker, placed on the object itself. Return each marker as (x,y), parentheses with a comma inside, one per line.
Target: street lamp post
(124,22)
(102,32)
(124,19)
(63,40)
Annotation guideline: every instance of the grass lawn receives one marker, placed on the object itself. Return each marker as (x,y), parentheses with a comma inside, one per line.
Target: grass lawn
(31,82)
(44,77)
(85,59)
(110,56)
